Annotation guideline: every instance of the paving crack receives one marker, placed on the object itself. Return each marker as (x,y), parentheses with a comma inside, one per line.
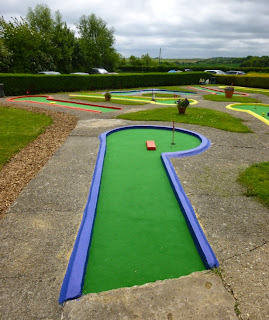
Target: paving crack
(248,251)
(236,146)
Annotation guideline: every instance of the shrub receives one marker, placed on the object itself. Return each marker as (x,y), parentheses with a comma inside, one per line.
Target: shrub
(21,84)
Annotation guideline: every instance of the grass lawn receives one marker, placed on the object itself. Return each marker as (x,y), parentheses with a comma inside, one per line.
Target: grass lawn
(220,98)
(18,128)
(200,116)
(256,179)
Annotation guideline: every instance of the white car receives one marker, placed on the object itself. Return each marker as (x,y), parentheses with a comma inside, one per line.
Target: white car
(49,72)
(81,73)
(215,71)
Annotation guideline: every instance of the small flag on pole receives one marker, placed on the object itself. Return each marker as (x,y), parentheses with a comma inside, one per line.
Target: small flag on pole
(173,133)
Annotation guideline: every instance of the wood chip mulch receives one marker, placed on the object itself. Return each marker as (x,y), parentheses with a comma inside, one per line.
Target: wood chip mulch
(16,174)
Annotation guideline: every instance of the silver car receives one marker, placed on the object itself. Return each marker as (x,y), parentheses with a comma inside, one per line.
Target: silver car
(215,71)
(237,73)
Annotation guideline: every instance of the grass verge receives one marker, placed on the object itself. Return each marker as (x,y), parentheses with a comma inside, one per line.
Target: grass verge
(220,98)
(18,128)
(256,179)
(200,116)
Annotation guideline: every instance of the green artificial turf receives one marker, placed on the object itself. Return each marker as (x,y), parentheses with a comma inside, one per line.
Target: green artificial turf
(256,179)
(18,128)
(256,108)
(112,100)
(64,104)
(193,115)
(140,234)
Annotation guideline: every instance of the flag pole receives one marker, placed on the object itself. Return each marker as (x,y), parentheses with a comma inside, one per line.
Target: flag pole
(173,133)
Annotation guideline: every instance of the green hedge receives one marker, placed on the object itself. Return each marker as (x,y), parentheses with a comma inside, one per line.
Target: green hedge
(21,84)
(244,81)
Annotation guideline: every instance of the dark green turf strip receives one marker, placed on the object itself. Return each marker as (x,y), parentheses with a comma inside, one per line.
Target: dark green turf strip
(140,234)
(66,104)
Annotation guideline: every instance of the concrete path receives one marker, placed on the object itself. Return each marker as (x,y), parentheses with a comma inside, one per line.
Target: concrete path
(38,233)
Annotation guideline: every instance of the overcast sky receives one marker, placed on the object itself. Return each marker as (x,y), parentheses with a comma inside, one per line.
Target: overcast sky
(181,28)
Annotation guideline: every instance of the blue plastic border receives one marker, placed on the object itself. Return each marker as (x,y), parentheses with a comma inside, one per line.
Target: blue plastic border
(74,278)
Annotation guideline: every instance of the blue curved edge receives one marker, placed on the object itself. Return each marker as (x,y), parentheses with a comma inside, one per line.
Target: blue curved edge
(74,278)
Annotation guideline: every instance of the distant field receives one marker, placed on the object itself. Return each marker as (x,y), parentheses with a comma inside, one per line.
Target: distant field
(257,74)
(178,60)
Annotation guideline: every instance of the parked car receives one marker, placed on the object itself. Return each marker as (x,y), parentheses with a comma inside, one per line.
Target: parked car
(173,71)
(81,73)
(215,71)
(188,70)
(49,72)
(98,71)
(238,73)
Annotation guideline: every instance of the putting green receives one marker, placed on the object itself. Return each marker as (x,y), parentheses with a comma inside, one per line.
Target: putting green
(257,110)
(140,234)
(215,91)
(66,104)
(168,101)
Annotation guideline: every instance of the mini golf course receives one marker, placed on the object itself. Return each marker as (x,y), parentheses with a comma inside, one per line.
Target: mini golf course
(161,101)
(258,110)
(134,92)
(138,225)
(47,100)
(216,91)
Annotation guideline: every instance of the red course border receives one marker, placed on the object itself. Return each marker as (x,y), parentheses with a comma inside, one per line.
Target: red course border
(65,101)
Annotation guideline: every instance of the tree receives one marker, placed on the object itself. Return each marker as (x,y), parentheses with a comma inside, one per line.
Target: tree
(96,42)
(147,60)
(44,42)
(5,57)
(63,41)
(59,40)
(134,61)
(25,45)
(40,18)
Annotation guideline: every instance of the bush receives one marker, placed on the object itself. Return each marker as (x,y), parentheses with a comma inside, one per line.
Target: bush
(22,84)
(244,81)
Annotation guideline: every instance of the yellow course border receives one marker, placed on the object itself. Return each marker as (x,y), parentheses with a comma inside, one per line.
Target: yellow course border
(230,106)
(192,101)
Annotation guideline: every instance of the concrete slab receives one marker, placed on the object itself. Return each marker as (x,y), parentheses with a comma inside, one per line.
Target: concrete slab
(200,295)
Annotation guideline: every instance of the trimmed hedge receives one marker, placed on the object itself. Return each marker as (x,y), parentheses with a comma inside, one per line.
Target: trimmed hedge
(244,81)
(22,84)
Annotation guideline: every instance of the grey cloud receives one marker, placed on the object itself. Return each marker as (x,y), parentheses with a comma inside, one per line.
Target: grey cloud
(185,28)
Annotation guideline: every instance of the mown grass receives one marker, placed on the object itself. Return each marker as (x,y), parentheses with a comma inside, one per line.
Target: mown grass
(199,116)
(258,74)
(256,179)
(220,98)
(17,129)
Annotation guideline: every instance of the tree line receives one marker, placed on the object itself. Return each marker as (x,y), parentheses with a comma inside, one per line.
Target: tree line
(43,41)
